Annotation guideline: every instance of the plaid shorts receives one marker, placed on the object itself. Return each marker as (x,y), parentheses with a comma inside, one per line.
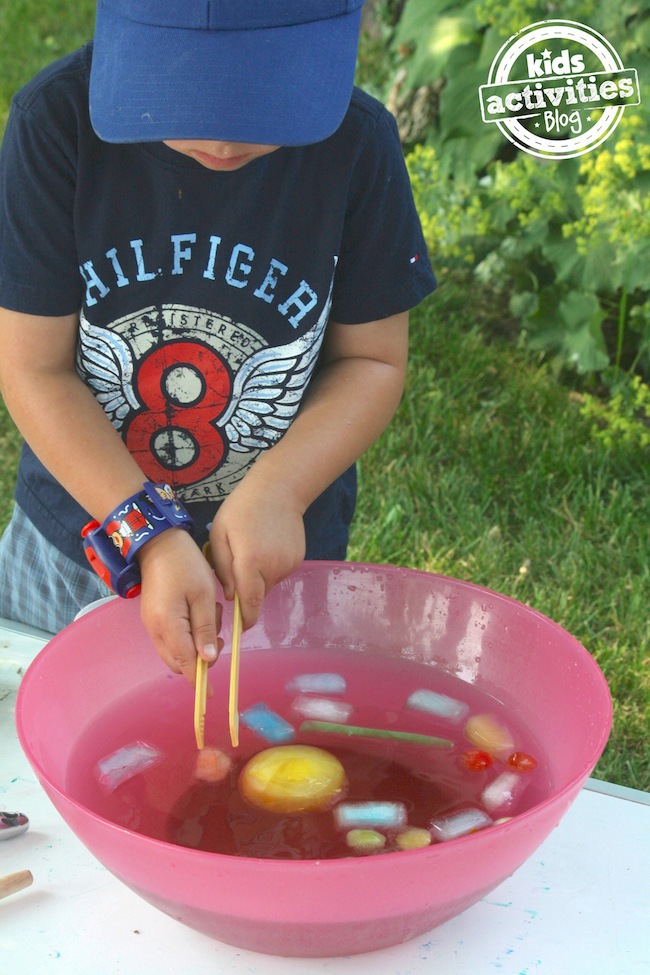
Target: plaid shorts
(39,585)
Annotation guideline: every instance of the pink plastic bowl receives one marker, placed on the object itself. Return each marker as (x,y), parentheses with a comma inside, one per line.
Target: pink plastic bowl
(345,906)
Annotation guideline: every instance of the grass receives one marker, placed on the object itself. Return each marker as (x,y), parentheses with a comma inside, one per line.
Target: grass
(488,473)
(33,34)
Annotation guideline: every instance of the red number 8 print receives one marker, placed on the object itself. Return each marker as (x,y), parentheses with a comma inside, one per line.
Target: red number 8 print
(184,387)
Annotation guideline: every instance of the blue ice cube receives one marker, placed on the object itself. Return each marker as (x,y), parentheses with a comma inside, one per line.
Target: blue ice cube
(370,815)
(318,684)
(260,719)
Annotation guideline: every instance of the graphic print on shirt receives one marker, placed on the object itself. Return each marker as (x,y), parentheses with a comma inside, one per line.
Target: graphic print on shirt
(194,395)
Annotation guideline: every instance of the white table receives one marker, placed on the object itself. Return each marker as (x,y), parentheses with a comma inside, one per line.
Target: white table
(580,905)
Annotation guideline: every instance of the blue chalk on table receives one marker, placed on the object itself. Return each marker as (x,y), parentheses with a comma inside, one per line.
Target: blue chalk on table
(438,704)
(318,684)
(260,719)
(371,815)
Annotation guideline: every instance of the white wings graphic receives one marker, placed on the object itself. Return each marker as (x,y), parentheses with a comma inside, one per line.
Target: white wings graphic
(105,363)
(269,387)
(267,390)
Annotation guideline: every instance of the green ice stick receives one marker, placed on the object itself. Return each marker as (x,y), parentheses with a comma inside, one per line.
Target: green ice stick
(354,730)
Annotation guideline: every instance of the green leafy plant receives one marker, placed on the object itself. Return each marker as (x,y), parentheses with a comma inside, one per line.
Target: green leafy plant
(451,211)
(568,243)
(624,420)
(448,46)
(565,242)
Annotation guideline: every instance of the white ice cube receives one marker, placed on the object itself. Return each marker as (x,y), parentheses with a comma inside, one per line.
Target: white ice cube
(438,704)
(452,826)
(502,793)
(123,764)
(322,709)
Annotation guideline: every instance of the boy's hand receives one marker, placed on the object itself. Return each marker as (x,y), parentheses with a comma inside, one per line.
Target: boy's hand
(257,539)
(258,536)
(179,601)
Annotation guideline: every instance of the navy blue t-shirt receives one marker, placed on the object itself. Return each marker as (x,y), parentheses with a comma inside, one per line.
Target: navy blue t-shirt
(203,296)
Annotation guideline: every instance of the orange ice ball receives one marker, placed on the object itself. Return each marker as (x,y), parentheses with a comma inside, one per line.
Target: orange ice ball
(212,765)
(292,778)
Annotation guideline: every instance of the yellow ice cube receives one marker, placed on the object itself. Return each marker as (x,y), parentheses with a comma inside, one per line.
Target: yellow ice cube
(483,731)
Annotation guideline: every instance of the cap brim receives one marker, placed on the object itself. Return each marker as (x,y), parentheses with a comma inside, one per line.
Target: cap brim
(273,86)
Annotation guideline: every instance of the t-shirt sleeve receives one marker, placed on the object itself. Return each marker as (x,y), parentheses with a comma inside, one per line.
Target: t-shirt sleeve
(384,267)
(38,264)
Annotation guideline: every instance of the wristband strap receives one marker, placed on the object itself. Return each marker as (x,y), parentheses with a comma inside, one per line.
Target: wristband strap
(111,547)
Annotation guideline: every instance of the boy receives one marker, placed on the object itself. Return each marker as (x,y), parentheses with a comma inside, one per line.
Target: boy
(208,252)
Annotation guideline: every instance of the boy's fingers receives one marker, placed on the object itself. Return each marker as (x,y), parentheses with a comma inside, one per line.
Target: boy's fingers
(223,565)
(242,575)
(179,643)
(172,639)
(205,623)
(180,655)
(251,588)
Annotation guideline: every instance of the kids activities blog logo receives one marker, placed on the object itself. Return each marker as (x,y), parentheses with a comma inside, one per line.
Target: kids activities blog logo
(557,89)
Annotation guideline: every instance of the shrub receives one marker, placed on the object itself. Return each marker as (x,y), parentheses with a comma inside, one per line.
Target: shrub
(567,241)
(624,420)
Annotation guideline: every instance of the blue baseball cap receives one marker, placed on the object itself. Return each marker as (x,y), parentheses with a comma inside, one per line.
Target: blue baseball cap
(270,72)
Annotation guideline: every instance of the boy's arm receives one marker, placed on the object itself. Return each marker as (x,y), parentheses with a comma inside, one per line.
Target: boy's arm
(70,433)
(257,537)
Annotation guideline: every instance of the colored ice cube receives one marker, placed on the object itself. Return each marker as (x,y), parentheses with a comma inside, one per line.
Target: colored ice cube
(212,765)
(453,825)
(356,731)
(322,708)
(370,815)
(487,734)
(522,761)
(438,704)
(261,720)
(317,684)
(475,760)
(413,838)
(126,762)
(504,791)
(365,840)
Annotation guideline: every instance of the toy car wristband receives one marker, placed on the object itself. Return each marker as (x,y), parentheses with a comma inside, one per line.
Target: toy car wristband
(111,547)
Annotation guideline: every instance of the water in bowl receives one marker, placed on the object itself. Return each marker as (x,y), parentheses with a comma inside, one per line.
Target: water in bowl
(167,801)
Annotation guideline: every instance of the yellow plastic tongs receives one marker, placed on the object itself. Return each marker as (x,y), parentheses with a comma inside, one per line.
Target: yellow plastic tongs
(200,698)
(201,690)
(233,699)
